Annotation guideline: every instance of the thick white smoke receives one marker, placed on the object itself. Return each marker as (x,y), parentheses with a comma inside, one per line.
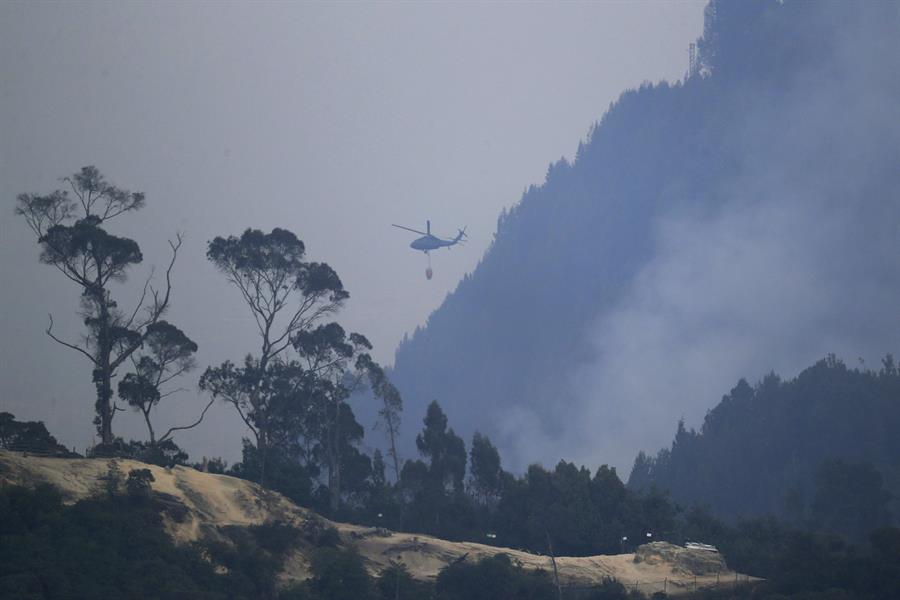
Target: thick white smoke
(801,258)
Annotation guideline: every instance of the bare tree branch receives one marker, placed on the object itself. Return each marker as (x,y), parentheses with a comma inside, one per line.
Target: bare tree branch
(159,307)
(140,303)
(246,421)
(169,393)
(75,347)
(191,426)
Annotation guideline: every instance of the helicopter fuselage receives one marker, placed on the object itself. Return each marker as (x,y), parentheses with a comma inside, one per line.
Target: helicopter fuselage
(427,243)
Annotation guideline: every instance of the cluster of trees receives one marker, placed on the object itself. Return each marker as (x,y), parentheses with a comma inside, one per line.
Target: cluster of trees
(819,450)
(71,227)
(339,575)
(28,436)
(291,394)
(796,563)
(464,494)
(106,547)
(114,545)
(567,509)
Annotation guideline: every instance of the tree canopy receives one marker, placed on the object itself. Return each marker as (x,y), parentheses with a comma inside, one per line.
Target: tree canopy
(73,239)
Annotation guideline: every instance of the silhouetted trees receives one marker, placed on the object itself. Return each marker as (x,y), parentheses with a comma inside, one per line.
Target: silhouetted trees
(493,578)
(445,451)
(72,235)
(106,547)
(434,489)
(285,295)
(389,414)
(850,499)
(584,513)
(116,546)
(334,365)
(166,354)
(293,394)
(819,449)
(28,436)
(487,474)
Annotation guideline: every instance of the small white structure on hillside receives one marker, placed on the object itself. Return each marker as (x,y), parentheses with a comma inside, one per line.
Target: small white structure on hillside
(699,546)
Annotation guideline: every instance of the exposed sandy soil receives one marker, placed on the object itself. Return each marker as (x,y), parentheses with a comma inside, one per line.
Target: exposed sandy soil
(214,502)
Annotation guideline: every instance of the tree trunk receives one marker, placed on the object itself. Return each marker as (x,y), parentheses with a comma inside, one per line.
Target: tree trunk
(149,426)
(262,447)
(103,382)
(262,438)
(394,456)
(103,372)
(335,460)
(555,571)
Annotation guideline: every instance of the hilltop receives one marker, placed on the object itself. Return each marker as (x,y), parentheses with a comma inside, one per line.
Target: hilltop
(203,507)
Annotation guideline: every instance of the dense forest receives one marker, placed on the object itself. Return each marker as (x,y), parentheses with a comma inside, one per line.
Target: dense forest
(841,542)
(820,450)
(750,206)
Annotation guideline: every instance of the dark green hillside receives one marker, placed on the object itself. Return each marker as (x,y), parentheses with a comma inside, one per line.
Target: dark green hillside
(821,450)
(97,548)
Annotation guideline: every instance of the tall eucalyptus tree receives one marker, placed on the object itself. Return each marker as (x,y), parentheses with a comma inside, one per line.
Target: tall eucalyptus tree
(70,226)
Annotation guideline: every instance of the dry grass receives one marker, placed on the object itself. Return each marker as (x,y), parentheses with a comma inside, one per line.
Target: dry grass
(214,502)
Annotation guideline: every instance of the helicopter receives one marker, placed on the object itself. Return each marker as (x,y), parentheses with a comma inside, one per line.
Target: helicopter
(429,242)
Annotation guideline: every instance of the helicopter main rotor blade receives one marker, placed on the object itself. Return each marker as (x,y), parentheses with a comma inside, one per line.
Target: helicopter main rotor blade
(410,229)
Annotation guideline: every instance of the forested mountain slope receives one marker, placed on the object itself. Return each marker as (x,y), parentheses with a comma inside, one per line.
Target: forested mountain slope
(821,450)
(740,221)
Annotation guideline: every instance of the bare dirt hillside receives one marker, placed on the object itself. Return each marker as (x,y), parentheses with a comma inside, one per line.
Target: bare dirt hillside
(204,506)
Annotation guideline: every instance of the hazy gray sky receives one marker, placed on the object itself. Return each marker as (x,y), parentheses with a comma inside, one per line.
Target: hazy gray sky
(332,120)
